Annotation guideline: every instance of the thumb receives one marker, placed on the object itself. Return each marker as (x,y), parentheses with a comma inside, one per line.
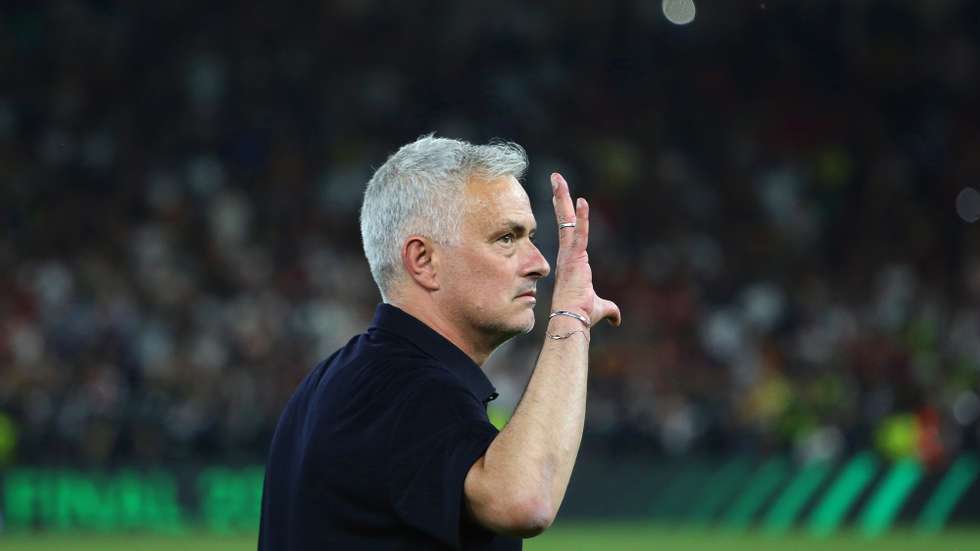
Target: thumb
(610,311)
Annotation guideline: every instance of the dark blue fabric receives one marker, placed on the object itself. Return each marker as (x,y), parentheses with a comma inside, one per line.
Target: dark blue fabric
(372,450)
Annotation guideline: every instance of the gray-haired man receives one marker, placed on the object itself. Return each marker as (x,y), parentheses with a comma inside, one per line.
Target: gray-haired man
(386,444)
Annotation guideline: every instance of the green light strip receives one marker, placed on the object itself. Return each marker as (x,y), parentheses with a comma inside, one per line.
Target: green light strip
(830,512)
(887,501)
(940,506)
(720,488)
(758,489)
(796,495)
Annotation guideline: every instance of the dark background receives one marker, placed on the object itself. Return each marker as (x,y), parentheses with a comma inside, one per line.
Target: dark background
(774,191)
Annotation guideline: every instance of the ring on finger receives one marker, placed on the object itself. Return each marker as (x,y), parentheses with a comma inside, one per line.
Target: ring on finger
(566,225)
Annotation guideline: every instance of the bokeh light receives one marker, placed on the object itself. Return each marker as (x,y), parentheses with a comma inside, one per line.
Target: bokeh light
(968,204)
(679,12)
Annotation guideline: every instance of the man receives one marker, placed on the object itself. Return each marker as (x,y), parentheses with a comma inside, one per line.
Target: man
(386,444)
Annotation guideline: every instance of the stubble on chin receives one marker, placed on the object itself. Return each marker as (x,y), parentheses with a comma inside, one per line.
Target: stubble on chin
(530,325)
(511,330)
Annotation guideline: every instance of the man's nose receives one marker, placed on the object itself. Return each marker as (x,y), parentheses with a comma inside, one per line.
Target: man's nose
(537,264)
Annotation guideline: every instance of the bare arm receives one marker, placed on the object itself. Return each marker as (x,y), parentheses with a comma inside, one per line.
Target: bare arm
(518,485)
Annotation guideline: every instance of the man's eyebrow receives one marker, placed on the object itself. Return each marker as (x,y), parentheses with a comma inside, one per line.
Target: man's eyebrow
(514,226)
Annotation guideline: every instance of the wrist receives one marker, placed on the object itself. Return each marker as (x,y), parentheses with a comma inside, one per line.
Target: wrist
(573,314)
(565,323)
(564,327)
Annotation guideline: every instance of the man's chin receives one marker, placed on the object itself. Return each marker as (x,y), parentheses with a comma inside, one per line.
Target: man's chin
(528,327)
(519,328)
(521,325)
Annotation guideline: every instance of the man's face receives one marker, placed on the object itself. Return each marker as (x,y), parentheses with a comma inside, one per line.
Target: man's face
(488,275)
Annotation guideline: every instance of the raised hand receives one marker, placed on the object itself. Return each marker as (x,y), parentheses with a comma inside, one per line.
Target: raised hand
(573,275)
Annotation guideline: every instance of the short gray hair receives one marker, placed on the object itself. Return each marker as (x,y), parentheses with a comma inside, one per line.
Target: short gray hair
(418,191)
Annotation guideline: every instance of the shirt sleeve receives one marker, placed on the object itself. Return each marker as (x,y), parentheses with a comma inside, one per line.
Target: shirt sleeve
(441,431)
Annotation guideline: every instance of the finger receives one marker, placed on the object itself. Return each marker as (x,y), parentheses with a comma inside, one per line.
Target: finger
(611,311)
(581,224)
(564,210)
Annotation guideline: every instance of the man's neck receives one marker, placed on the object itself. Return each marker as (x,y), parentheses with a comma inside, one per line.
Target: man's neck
(445,327)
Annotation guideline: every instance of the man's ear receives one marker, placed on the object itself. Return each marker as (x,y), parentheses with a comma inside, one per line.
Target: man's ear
(420,260)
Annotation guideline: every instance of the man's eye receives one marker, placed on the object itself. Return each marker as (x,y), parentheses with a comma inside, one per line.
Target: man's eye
(507,239)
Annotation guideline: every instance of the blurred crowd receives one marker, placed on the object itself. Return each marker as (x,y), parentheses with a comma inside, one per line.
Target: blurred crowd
(774,191)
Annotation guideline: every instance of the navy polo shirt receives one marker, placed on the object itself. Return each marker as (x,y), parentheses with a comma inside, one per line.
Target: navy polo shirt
(372,449)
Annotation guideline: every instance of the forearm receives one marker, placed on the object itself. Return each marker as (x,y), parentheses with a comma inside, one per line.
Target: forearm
(518,485)
(534,454)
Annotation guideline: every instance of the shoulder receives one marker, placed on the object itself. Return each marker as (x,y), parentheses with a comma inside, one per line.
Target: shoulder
(412,371)
(430,394)
(419,379)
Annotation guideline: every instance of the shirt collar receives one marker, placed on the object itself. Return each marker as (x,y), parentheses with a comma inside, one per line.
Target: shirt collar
(403,324)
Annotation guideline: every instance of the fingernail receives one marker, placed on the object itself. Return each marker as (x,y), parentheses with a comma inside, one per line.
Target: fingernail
(554,182)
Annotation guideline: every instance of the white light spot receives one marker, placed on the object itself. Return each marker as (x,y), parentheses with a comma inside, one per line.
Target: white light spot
(966,408)
(679,12)
(968,204)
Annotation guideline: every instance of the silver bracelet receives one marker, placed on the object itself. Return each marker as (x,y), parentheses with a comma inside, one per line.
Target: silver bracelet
(575,315)
(566,335)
